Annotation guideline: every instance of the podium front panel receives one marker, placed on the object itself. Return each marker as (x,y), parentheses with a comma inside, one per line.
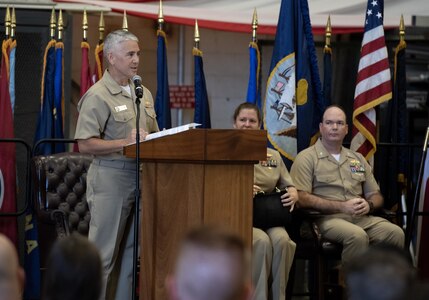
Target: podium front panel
(179,196)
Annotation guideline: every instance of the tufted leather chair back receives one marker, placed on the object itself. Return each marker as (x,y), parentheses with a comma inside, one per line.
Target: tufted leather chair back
(60,187)
(59,198)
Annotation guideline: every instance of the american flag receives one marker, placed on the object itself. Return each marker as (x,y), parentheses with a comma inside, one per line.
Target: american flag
(373,85)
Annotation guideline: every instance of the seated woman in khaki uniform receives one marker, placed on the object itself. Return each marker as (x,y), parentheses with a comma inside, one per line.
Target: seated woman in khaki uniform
(273,250)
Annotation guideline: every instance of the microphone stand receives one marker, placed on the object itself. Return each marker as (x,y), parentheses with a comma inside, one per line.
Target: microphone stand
(137,200)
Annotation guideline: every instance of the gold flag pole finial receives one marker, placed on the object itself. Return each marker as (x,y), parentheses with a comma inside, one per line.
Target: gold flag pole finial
(13,23)
(85,26)
(101,29)
(125,22)
(401,29)
(328,33)
(196,35)
(53,24)
(60,25)
(7,22)
(160,16)
(254,25)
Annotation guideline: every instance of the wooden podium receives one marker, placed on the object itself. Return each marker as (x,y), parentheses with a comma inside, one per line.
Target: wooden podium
(200,176)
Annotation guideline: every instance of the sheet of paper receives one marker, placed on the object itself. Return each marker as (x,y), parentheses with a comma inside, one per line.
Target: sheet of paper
(170,131)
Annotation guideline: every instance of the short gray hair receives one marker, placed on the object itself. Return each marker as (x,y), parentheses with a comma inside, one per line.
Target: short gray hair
(116,37)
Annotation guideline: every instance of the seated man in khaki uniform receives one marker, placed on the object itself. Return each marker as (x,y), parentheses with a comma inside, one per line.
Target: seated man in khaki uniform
(339,184)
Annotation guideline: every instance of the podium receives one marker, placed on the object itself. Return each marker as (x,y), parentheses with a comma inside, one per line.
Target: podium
(199,176)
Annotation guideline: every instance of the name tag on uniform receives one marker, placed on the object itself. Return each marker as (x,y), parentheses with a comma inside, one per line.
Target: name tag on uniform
(120,108)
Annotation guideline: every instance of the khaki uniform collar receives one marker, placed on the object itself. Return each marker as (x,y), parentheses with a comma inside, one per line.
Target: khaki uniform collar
(113,87)
(321,152)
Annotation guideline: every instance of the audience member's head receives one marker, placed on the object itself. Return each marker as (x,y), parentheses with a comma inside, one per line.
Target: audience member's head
(11,274)
(212,265)
(73,270)
(383,272)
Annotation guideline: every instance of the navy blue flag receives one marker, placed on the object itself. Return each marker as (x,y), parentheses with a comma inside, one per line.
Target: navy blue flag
(327,76)
(58,97)
(162,103)
(399,116)
(253,88)
(202,110)
(45,123)
(293,101)
(397,132)
(31,257)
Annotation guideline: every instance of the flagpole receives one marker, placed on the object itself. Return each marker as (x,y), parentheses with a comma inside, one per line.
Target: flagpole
(98,69)
(60,25)
(7,23)
(52,24)
(411,222)
(125,22)
(101,29)
(84,26)
(254,26)
(13,24)
(253,87)
(402,30)
(328,34)
(196,36)
(160,17)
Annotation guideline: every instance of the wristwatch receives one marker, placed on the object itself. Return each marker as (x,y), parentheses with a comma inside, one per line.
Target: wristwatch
(371,207)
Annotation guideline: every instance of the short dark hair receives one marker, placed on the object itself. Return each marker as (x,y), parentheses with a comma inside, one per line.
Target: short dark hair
(382,272)
(73,270)
(337,106)
(212,264)
(247,105)
(213,237)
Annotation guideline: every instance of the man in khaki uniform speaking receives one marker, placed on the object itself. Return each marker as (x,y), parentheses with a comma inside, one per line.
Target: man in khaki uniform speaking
(339,184)
(107,122)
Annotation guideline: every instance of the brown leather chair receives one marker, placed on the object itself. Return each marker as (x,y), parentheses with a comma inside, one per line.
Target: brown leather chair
(59,197)
(312,247)
(321,254)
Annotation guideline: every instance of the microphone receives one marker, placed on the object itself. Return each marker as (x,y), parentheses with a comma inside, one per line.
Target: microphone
(138,86)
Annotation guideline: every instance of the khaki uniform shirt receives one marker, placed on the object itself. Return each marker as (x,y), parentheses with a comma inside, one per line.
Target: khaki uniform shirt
(108,112)
(272,173)
(317,172)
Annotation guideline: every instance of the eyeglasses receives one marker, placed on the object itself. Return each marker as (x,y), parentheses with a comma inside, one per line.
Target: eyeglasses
(330,123)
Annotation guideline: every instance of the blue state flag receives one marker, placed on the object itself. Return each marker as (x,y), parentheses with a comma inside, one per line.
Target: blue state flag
(253,88)
(202,110)
(58,97)
(327,76)
(45,123)
(162,103)
(31,257)
(293,100)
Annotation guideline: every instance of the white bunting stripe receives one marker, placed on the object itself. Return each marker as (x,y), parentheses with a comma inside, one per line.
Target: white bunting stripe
(372,82)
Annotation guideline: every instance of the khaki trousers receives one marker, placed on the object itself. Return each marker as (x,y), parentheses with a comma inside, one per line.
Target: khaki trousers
(356,233)
(110,196)
(272,258)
